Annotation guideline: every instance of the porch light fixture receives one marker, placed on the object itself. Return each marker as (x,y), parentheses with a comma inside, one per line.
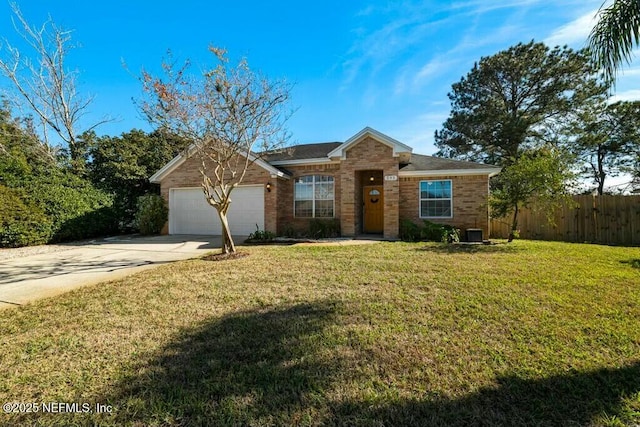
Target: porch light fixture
(371,178)
(268,187)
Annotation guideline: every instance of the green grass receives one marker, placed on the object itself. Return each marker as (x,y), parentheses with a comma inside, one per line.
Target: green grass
(530,333)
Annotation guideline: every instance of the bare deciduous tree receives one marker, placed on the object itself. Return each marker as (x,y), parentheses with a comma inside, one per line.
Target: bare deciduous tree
(230,114)
(44,84)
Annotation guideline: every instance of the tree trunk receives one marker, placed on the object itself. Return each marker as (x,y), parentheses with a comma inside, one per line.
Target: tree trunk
(228,247)
(514,225)
(601,173)
(601,186)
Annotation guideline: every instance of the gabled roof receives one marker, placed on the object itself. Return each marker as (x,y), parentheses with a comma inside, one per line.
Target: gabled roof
(301,152)
(421,165)
(326,152)
(182,157)
(397,146)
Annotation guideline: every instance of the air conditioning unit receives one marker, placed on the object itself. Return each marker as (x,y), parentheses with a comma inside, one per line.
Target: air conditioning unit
(474,235)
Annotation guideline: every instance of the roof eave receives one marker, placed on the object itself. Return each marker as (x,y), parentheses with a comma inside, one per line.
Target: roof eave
(174,163)
(313,161)
(157,177)
(451,172)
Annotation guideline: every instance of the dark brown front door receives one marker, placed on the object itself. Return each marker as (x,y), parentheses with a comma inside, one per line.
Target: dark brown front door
(373,209)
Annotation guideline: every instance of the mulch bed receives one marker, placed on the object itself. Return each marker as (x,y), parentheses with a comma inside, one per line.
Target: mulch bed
(224,257)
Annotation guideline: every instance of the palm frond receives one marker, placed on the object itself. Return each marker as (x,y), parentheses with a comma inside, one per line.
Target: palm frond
(614,36)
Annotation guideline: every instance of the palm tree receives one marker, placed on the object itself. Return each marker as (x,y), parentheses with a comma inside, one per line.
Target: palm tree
(614,36)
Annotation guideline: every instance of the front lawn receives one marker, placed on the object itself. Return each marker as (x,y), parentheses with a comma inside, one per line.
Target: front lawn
(530,333)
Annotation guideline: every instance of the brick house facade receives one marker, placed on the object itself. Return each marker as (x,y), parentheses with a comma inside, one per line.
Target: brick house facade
(369,182)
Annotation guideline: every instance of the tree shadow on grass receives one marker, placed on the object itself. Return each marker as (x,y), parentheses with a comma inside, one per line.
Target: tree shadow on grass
(279,366)
(257,367)
(574,399)
(634,263)
(462,248)
(10,274)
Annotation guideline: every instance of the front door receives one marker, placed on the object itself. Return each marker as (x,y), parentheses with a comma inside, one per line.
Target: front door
(373,209)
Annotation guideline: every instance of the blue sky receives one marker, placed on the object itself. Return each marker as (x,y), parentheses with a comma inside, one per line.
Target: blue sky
(384,64)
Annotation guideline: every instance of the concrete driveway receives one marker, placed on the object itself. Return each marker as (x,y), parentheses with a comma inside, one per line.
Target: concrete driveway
(32,277)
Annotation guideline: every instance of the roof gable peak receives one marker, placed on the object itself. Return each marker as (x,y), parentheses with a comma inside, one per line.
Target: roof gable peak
(397,146)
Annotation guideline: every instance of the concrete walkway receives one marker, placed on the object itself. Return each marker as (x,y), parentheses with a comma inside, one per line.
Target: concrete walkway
(32,277)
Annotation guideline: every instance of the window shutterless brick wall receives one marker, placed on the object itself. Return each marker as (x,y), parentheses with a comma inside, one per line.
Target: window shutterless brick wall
(469,198)
(285,216)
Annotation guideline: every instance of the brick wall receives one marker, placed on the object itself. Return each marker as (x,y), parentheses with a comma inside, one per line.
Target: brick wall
(285,215)
(188,175)
(470,203)
(401,197)
(367,155)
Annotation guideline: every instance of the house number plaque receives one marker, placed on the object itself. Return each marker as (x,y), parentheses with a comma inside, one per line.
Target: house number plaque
(391,177)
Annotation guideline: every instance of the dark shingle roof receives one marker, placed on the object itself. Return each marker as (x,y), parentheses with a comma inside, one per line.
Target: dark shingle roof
(304,151)
(420,162)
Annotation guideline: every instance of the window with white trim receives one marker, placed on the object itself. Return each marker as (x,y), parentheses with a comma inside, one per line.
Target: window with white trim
(435,199)
(314,196)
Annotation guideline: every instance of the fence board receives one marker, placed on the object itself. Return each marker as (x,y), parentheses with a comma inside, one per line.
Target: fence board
(607,219)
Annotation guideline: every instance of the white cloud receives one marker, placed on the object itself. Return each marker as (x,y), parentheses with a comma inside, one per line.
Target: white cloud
(629,95)
(414,77)
(412,80)
(630,72)
(575,32)
(429,69)
(484,6)
(406,26)
(472,41)
(417,131)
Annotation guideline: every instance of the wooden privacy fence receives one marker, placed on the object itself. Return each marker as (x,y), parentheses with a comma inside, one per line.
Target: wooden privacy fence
(607,219)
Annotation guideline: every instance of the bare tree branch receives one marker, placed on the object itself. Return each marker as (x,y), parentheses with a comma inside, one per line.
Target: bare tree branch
(229,113)
(43,82)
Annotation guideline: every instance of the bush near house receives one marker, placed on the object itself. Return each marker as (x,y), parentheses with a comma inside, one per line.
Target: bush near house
(316,229)
(152,213)
(428,231)
(260,236)
(324,228)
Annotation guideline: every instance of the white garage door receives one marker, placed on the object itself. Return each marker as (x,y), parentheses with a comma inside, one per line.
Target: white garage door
(189,212)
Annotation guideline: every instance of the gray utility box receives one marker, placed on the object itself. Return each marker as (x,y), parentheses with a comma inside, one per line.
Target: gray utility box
(474,235)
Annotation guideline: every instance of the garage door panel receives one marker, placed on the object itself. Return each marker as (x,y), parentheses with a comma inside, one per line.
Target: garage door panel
(189,212)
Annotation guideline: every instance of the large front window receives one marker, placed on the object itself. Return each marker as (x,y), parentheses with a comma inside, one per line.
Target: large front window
(314,197)
(435,199)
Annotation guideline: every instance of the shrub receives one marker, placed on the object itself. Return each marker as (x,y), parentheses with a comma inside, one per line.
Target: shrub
(261,235)
(152,214)
(440,232)
(80,213)
(410,231)
(69,202)
(61,207)
(102,221)
(429,231)
(41,199)
(451,234)
(289,231)
(324,228)
(20,223)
